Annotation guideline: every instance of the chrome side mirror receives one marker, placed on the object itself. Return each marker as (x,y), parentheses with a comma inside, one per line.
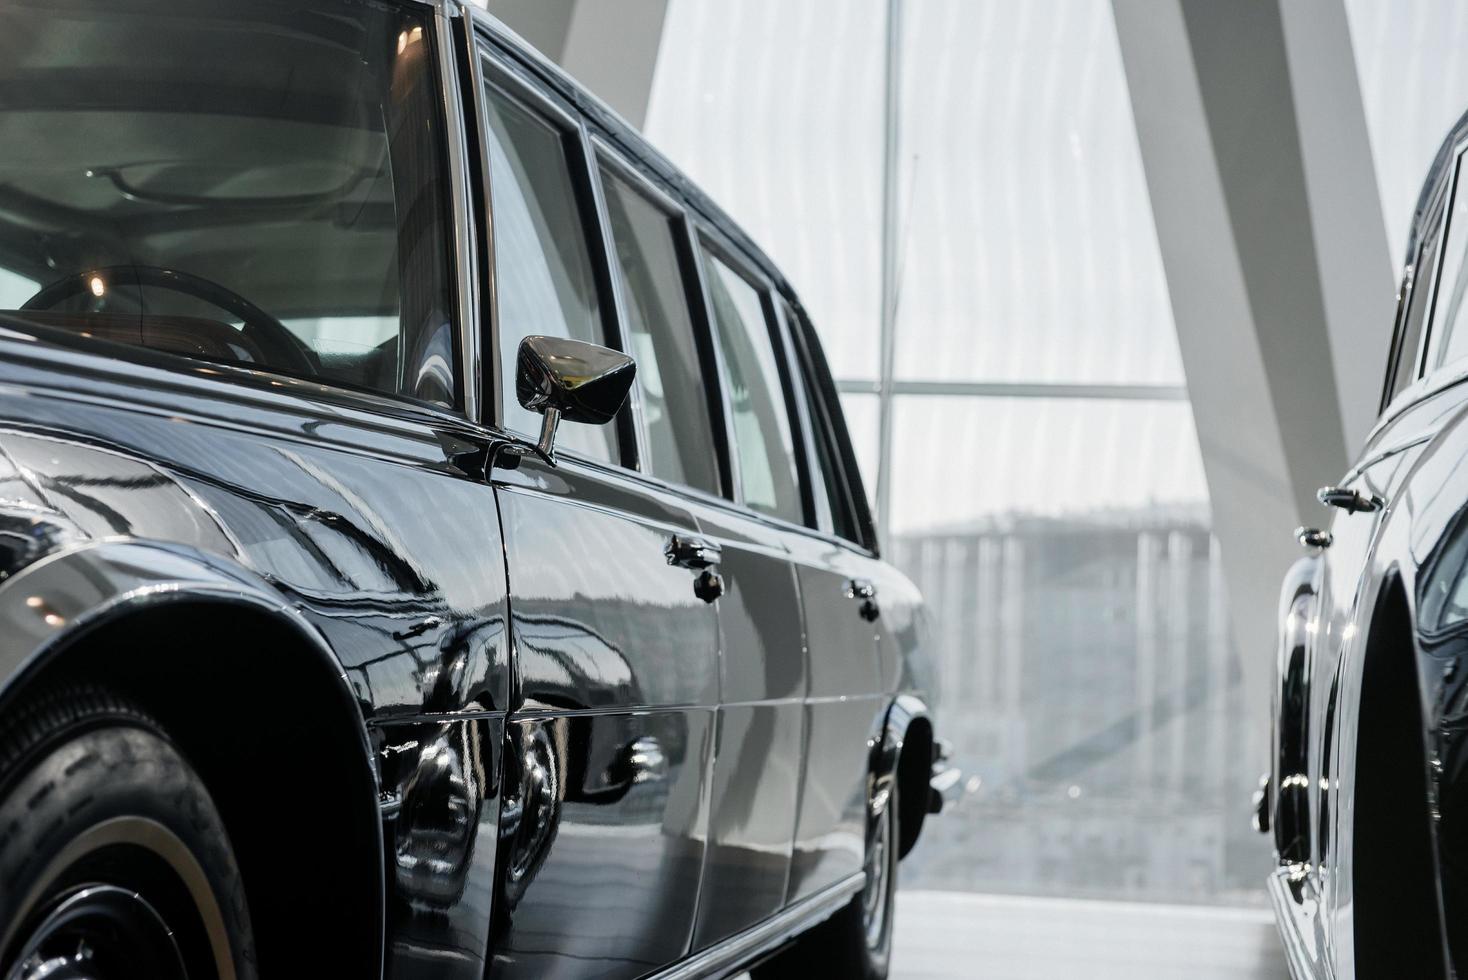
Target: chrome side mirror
(571,380)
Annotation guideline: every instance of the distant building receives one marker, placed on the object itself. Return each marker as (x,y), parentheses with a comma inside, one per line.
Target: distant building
(1092,693)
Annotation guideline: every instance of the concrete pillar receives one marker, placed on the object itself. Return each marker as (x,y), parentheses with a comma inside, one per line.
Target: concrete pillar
(610,46)
(1260,174)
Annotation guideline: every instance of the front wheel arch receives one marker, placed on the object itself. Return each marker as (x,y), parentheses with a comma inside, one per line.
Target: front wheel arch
(261,715)
(1397,917)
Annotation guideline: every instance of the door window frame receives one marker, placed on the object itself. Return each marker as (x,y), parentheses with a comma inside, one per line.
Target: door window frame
(498,72)
(497,61)
(685,246)
(1439,209)
(710,241)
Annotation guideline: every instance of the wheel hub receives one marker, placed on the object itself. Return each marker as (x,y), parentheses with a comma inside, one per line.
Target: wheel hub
(99,932)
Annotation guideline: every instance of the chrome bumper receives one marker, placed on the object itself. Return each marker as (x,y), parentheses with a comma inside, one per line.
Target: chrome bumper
(945,779)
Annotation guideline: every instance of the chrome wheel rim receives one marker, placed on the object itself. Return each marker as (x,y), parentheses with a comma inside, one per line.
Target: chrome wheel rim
(99,932)
(874,902)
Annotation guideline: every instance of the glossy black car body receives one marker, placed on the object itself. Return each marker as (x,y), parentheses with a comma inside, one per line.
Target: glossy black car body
(1367,795)
(463,709)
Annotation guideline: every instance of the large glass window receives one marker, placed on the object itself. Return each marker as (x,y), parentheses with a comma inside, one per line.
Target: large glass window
(675,418)
(775,108)
(762,438)
(544,284)
(261,186)
(1046,487)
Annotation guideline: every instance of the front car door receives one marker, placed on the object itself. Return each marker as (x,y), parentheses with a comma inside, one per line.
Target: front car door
(611,731)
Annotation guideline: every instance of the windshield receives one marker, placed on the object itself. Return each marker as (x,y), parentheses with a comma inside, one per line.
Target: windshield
(253,183)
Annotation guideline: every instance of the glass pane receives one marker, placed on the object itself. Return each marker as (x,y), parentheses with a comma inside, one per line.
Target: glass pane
(1083,651)
(775,109)
(1026,248)
(1414,85)
(833,511)
(543,278)
(862,418)
(762,438)
(1449,337)
(1411,339)
(255,192)
(680,442)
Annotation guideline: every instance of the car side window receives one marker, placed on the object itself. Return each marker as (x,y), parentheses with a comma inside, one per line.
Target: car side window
(544,279)
(1404,370)
(1449,339)
(674,399)
(763,444)
(833,509)
(292,219)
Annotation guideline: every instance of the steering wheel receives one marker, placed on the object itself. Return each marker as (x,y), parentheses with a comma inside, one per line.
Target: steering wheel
(281,347)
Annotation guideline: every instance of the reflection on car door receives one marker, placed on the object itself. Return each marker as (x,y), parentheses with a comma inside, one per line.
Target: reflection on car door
(605,814)
(762,677)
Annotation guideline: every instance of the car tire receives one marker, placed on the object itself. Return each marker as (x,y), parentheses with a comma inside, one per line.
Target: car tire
(855,942)
(114,861)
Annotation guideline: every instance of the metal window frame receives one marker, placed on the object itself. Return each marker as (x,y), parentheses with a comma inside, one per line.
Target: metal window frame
(709,242)
(499,74)
(609,158)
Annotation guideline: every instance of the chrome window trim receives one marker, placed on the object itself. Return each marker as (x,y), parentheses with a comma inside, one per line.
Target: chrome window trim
(635,425)
(461,207)
(491,411)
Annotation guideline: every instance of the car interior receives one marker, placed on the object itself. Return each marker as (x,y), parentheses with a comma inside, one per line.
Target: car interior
(235,187)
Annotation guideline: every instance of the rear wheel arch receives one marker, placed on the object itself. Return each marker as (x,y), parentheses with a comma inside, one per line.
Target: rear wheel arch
(906,759)
(260,709)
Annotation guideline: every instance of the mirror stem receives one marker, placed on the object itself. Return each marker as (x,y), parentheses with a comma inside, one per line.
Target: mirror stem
(547,444)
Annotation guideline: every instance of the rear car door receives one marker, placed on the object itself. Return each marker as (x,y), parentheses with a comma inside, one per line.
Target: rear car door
(610,735)
(758,765)
(848,597)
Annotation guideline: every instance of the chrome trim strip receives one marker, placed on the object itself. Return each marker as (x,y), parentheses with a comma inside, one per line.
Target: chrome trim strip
(490,359)
(733,953)
(1297,955)
(466,269)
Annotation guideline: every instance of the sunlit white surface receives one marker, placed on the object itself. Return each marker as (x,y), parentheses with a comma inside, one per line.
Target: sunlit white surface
(1414,85)
(956,936)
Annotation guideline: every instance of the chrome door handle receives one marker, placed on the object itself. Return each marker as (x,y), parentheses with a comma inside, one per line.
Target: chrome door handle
(1313,537)
(864,591)
(1349,500)
(690,552)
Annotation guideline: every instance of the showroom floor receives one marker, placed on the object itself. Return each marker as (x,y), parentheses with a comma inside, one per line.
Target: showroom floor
(950,935)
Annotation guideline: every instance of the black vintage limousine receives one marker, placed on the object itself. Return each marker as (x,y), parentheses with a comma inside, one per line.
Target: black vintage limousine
(1367,799)
(430,544)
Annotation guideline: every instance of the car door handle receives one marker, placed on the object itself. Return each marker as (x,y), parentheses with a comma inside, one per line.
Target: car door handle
(1349,500)
(1313,537)
(865,592)
(690,552)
